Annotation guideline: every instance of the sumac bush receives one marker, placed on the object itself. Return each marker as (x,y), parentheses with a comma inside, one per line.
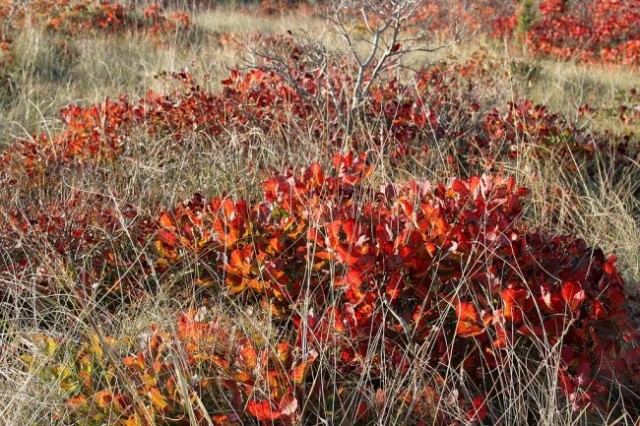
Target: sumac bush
(450,267)
(441,108)
(81,17)
(591,31)
(416,279)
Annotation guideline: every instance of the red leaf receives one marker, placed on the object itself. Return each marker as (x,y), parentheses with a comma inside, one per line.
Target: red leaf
(168,238)
(479,411)
(362,410)
(395,286)
(317,176)
(263,411)
(552,301)
(573,294)
(353,279)
(103,398)
(460,186)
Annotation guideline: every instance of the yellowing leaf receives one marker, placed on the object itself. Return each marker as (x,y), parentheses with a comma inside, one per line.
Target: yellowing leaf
(133,421)
(49,346)
(157,399)
(103,398)
(27,359)
(68,384)
(96,347)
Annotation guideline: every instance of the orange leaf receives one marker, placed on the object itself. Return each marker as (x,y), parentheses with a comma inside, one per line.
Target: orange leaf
(513,302)
(136,362)
(76,402)
(262,411)
(299,372)
(275,246)
(133,421)
(248,355)
(220,419)
(228,208)
(166,221)
(469,323)
(325,255)
(157,399)
(284,351)
(238,264)
(317,176)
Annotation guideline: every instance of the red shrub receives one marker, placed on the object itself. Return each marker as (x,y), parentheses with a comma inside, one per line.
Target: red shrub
(79,17)
(443,108)
(449,265)
(591,31)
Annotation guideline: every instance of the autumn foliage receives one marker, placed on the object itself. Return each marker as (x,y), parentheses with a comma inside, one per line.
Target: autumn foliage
(200,364)
(91,238)
(83,17)
(591,31)
(359,276)
(441,108)
(428,300)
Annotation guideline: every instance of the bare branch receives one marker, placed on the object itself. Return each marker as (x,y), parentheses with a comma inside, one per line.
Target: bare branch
(369,55)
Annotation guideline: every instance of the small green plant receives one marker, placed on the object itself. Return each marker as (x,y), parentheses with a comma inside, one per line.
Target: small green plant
(526,17)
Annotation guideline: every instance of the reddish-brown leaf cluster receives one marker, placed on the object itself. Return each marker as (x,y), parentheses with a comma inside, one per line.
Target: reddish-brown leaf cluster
(86,16)
(450,264)
(591,31)
(496,18)
(356,276)
(360,278)
(441,108)
(80,17)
